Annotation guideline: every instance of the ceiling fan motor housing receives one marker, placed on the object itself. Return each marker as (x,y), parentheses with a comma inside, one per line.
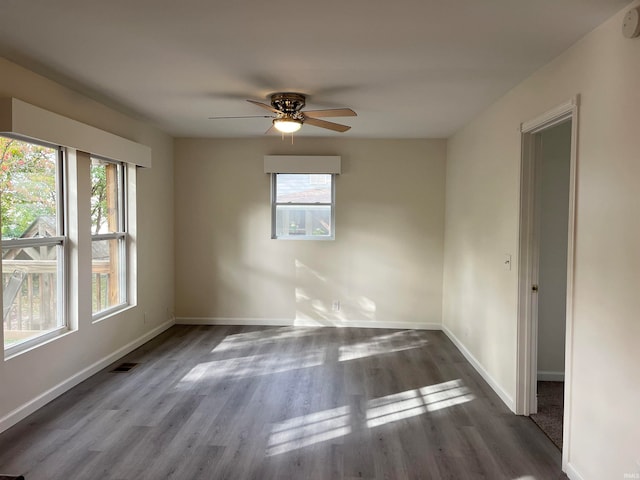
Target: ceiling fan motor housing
(288,102)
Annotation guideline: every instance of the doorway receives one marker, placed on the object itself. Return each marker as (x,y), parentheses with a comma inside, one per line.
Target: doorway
(551,219)
(545,270)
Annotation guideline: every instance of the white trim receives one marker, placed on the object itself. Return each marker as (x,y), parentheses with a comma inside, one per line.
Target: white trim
(41,400)
(26,120)
(111,312)
(501,392)
(274,212)
(526,356)
(33,242)
(291,322)
(34,342)
(302,164)
(571,255)
(267,322)
(527,337)
(545,376)
(552,117)
(367,324)
(572,473)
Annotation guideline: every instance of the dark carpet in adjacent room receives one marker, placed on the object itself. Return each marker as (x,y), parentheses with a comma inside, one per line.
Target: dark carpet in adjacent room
(550,410)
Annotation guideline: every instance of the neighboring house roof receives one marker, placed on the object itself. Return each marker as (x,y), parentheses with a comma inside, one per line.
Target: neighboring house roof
(42,226)
(45,226)
(316,195)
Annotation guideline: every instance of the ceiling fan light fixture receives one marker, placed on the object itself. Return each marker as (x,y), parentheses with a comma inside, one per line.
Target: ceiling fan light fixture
(287,125)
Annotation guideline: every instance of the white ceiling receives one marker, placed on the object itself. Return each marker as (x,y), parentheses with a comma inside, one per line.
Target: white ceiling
(410,68)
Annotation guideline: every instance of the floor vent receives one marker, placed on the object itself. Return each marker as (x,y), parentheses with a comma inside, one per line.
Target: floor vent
(124,367)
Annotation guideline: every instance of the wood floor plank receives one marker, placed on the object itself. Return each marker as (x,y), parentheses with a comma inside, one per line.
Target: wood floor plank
(272,403)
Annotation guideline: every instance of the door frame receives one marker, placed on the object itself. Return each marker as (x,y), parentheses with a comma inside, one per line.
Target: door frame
(527,349)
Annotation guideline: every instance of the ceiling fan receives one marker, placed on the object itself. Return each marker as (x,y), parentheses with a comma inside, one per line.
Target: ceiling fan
(288,116)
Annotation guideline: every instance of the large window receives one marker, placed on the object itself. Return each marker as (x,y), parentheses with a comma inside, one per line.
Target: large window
(109,236)
(303,206)
(33,242)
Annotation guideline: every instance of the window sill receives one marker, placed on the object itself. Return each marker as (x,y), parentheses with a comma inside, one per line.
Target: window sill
(304,237)
(37,342)
(111,312)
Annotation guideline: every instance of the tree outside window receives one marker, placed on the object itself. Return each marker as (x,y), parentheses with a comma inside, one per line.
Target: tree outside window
(32,240)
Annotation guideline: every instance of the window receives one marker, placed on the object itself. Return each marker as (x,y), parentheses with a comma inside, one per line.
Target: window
(108,236)
(303,206)
(33,242)
(45,253)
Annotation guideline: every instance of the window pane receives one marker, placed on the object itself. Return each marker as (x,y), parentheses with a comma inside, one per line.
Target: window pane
(105,196)
(108,288)
(303,188)
(31,283)
(310,220)
(28,189)
(106,274)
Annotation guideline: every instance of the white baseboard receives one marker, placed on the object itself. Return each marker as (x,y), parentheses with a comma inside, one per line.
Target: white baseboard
(267,322)
(290,322)
(504,396)
(369,324)
(572,473)
(41,400)
(545,376)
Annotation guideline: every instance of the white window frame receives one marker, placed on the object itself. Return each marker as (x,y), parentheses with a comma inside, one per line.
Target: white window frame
(275,204)
(122,235)
(60,241)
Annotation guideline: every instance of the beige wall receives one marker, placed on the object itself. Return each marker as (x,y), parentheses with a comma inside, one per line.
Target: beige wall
(34,376)
(385,265)
(480,297)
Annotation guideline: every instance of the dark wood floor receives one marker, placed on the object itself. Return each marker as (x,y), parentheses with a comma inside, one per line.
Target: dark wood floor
(282,403)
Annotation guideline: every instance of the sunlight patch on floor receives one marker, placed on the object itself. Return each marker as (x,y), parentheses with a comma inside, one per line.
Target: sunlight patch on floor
(260,337)
(411,403)
(300,432)
(381,344)
(253,366)
(317,427)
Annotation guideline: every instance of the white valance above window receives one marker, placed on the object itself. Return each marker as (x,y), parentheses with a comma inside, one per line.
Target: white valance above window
(20,118)
(302,164)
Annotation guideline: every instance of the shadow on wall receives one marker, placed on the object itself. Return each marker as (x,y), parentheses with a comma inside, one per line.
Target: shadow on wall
(367,278)
(310,310)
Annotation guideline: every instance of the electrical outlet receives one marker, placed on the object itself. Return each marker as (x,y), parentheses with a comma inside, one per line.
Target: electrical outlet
(336,306)
(145,318)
